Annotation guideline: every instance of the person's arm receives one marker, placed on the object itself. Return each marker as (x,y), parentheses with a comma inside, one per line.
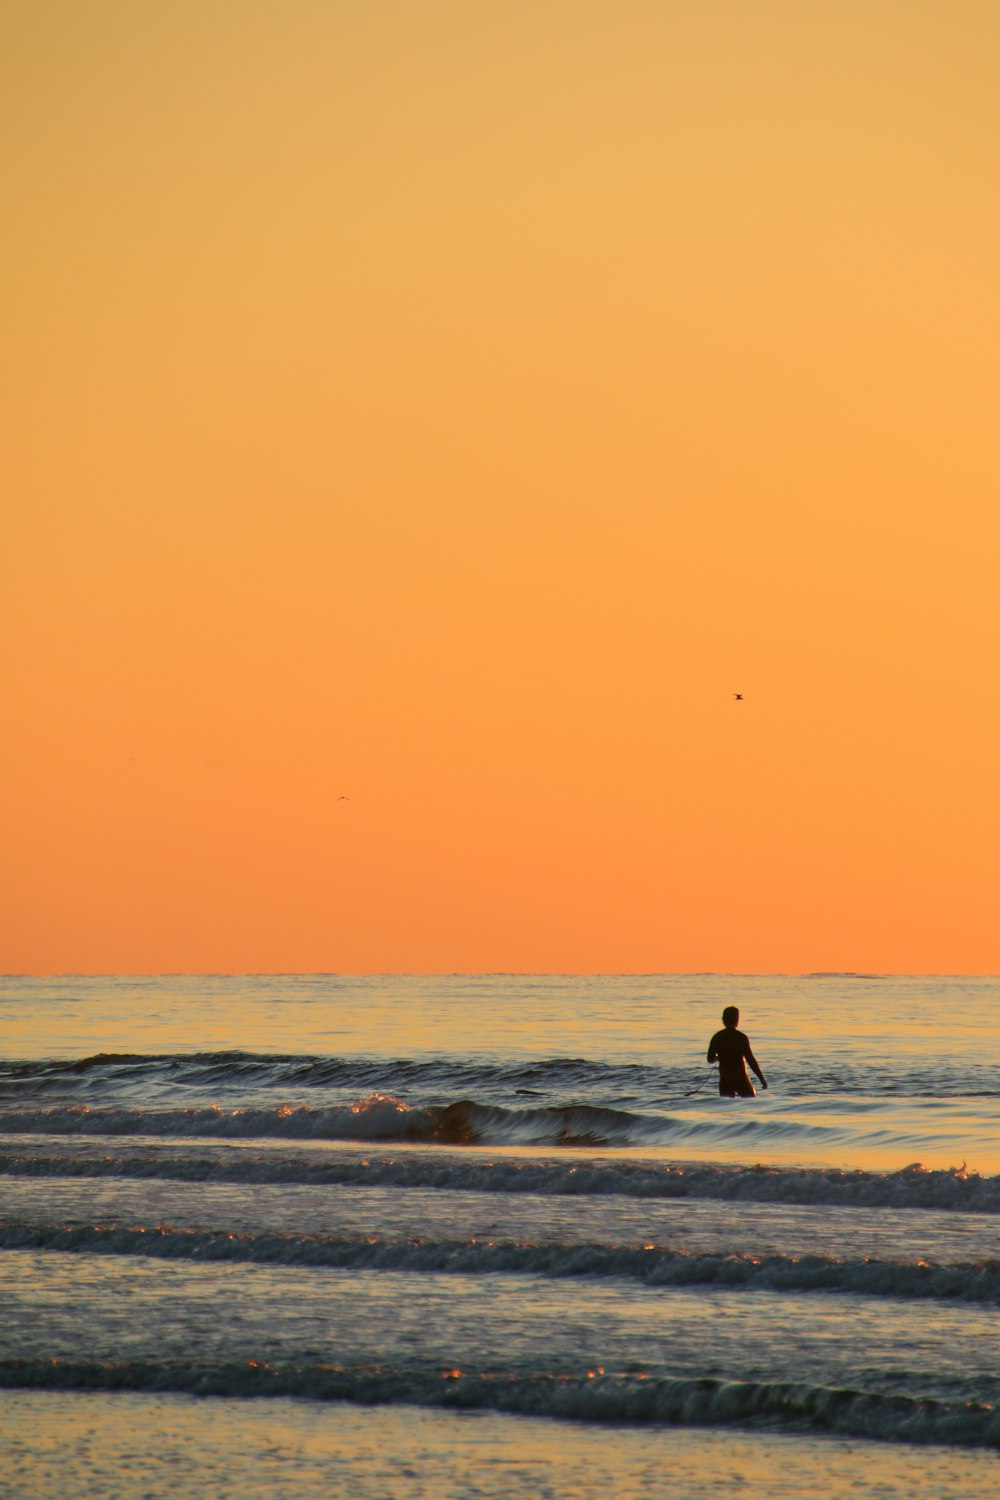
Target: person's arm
(713,1051)
(755,1065)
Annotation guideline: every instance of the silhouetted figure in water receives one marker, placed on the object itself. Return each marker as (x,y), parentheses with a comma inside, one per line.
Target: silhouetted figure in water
(731,1050)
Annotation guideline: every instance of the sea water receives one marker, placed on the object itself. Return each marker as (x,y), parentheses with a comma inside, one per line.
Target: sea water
(498,1235)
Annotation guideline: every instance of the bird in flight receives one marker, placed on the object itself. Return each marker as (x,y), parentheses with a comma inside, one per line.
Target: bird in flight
(342,798)
(738,697)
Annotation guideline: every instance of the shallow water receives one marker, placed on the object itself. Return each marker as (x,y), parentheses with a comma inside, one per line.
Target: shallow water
(124,1446)
(509,1201)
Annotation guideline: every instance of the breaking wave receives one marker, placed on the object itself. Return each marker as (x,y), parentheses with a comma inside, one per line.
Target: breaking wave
(953,1189)
(378,1117)
(583,1395)
(251,1078)
(651,1265)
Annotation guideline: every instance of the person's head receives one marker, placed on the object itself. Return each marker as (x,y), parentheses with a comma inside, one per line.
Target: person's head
(730,1016)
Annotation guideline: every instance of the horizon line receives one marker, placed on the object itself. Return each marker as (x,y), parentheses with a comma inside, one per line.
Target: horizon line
(498,973)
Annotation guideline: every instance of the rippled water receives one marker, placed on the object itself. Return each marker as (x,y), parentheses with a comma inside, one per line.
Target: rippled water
(509,1195)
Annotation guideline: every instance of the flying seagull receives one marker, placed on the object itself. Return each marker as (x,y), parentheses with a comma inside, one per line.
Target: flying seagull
(738,697)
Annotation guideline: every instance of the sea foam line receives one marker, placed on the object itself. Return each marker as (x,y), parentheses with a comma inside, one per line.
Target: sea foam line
(593,1395)
(950,1189)
(651,1265)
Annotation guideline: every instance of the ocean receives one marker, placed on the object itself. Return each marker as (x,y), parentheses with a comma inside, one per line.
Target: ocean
(498,1236)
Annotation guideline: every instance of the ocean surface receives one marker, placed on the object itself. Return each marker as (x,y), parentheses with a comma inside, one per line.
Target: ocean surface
(498,1236)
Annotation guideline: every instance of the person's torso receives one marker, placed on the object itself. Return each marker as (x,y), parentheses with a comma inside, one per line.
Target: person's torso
(732,1047)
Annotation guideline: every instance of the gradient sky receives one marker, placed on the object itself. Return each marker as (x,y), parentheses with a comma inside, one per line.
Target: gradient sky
(447,407)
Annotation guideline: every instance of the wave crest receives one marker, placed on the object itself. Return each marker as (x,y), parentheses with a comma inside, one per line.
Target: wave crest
(651,1265)
(947,1189)
(378,1116)
(593,1395)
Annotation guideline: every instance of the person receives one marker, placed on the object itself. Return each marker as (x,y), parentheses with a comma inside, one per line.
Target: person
(731,1050)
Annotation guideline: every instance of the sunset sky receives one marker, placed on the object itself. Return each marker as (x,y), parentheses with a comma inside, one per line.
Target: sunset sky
(422,418)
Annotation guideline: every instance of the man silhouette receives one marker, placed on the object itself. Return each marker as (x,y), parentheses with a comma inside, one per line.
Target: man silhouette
(731,1050)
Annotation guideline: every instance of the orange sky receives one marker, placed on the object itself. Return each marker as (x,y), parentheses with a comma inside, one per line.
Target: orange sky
(447,407)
